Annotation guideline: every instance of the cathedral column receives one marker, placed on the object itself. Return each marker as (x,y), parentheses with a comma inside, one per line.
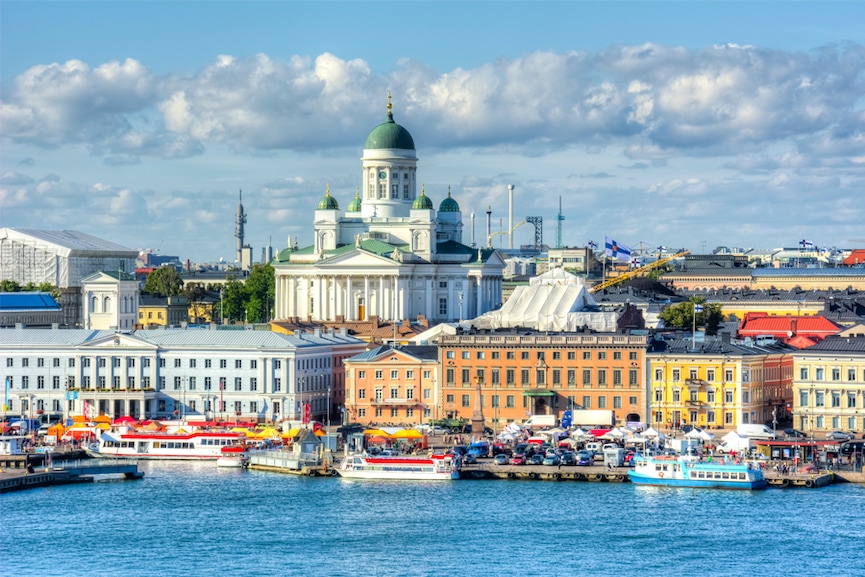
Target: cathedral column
(365,297)
(348,307)
(451,301)
(379,300)
(480,296)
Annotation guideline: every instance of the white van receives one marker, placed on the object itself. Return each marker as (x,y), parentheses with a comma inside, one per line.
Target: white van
(754,431)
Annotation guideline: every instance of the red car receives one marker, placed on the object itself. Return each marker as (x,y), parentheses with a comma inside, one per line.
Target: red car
(518,459)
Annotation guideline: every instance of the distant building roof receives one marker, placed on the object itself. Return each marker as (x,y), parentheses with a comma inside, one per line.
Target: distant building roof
(787,327)
(28,301)
(855,257)
(74,240)
(840,344)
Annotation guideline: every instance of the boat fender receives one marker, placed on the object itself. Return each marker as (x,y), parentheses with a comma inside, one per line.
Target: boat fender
(557,476)
(809,483)
(533,475)
(598,477)
(785,483)
(620,478)
(333,473)
(512,475)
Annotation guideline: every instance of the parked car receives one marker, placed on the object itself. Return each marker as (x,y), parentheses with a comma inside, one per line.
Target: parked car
(839,436)
(501,459)
(536,459)
(585,458)
(568,459)
(552,460)
(518,459)
(688,428)
(794,434)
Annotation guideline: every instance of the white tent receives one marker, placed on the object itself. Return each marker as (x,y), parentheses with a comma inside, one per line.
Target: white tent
(706,435)
(613,435)
(693,434)
(651,432)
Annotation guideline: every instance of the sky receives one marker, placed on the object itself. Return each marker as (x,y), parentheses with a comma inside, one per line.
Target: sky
(683,124)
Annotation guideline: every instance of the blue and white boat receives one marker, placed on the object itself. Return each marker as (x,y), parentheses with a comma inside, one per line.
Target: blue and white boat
(669,471)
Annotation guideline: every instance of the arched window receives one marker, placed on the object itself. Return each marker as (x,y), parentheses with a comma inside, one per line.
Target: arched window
(106,305)
(94,305)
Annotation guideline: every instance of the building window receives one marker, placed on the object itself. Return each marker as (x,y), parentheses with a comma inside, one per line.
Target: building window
(632,377)
(602,377)
(394,392)
(803,398)
(466,355)
(450,355)
(394,375)
(238,364)
(677,396)
(361,413)
(466,376)
(494,376)
(602,355)
(728,396)
(587,355)
(176,383)
(145,382)
(409,393)
(587,377)
(524,376)
(510,355)
(145,362)
(207,383)
(509,401)
(803,373)
(617,355)
(710,396)
(510,379)
(677,375)
(379,375)
(191,363)
(659,374)
(361,393)
(587,402)
(602,402)
(223,363)
(617,402)
(379,394)
(557,355)
(659,395)
(836,374)
(572,356)
(176,363)
(394,412)
(617,377)
(238,384)
(130,382)
(253,384)
(557,377)
(361,374)
(710,375)
(253,364)
(449,376)
(692,374)
(819,399)
(836,399)
(851,401)
(572,376)
(495,355)
(524,355)
(207,363)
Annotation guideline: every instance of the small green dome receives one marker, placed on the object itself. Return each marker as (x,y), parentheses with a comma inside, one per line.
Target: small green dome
(389,134)
(449,204)
(422,202)
(328,202)
(354,205)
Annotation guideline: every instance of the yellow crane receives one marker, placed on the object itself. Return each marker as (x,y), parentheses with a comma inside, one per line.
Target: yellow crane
(637,272)
(490,237)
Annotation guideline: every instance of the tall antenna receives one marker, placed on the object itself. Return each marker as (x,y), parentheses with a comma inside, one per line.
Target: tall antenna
(559,219)
(239,221)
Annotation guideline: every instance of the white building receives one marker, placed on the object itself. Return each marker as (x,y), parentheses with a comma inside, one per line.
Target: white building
(391,253)
(110,300)
(160,374)
(61,258)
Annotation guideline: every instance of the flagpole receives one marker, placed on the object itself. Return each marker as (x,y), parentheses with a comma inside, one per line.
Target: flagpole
(694,327)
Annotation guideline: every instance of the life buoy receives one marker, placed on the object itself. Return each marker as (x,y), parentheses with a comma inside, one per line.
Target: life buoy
(809,483)
(661,474)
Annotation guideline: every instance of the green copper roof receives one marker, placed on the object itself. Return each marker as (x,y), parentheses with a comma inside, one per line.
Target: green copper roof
(354,205)
(328,202)
(449,204)
(422,202)
(389,134)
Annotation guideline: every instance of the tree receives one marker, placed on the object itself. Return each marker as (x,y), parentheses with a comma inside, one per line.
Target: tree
(164,282)
(681,316)
(234,300)
(9,286)
(195,293)
(261,293)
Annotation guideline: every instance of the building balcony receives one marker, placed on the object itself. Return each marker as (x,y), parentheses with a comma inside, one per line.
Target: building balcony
(696,383)
(397,402)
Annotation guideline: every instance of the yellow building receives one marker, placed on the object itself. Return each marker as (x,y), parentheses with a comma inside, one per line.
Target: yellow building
(829,387)
(716,384)
(156,311)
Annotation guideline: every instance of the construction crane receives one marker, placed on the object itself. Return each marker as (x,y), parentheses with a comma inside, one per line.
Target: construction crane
(637,272)
(491,235)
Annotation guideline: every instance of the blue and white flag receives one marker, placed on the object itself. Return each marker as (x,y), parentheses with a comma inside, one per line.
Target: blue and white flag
(806,243)
(616,250)
(635,262)
(593,245)
(698,308)
(662,248)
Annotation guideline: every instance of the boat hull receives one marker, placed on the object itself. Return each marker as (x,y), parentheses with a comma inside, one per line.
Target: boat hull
(638,479)
(397,469)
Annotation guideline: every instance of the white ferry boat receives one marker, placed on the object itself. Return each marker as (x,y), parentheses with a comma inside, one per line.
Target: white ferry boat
(435,468)
(160,445)
(234,456)
(669,471)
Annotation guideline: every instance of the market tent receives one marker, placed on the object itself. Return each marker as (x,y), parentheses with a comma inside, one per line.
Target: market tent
(706,436)
(378,440)
(651,432)
(693,434)
(102,419)
(125,420)
(407,434)
(291,433)
(376,433)
(613,435)
(266,433)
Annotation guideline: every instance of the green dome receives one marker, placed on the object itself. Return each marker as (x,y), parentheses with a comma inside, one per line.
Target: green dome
(389,134)
(328,202)
(449,204)
(422,202)
(354,205)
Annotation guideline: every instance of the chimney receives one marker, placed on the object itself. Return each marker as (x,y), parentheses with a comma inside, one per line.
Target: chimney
(422,321)
(793,323)
(725,337)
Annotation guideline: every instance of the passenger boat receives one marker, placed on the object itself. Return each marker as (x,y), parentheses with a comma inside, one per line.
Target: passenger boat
(434,468)
(162,445)
(669,471)
(234,456)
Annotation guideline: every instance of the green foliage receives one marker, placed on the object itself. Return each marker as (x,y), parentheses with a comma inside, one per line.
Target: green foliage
(261,293)
(234,300)
(10,286)
(681,316)
(164,282)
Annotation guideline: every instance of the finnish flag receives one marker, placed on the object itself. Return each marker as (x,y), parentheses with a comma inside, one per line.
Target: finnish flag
(616,250)
(698,308)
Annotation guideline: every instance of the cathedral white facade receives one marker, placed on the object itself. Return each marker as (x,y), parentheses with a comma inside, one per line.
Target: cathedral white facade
(390,254)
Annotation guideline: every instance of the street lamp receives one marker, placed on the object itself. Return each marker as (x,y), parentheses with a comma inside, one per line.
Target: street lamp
(328,409)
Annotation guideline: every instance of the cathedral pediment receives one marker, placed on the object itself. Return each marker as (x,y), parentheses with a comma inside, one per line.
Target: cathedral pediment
(358,258)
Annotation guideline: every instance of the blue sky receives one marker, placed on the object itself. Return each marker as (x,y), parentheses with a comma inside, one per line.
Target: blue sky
(688,124)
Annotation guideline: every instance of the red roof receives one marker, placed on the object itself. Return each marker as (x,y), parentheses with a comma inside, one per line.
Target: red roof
(856,257)
(801,342)
(787,327)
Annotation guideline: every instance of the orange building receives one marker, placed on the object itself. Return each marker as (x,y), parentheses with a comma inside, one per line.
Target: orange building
(526,373)
(389,386)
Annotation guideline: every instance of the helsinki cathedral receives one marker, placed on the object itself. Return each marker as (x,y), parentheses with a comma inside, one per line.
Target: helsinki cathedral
(390,253)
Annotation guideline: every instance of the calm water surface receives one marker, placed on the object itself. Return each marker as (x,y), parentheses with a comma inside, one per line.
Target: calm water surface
(193,519)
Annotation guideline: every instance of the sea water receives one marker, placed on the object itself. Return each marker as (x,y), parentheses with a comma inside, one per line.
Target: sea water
(193,519)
